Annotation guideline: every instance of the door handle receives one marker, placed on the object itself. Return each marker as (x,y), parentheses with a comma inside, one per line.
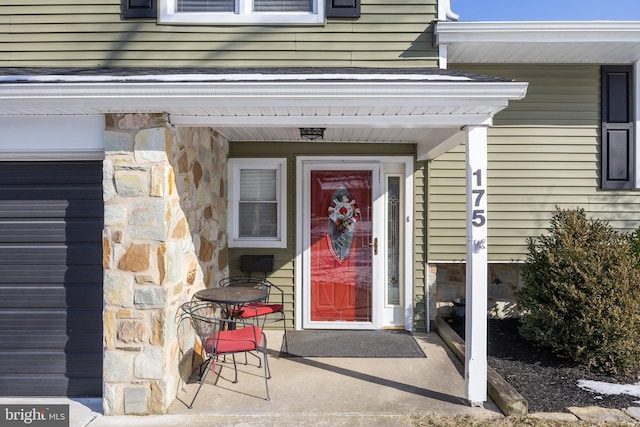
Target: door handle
(374,244)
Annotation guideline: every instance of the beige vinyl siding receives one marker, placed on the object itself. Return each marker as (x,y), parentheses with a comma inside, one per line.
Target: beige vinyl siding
(91,33)
(543,152)
(284,275)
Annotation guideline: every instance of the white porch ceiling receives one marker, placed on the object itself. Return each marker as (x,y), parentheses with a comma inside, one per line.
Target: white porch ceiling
(592,42)
(429,111)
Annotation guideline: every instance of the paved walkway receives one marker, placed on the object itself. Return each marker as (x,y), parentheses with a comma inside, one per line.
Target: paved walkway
(323,392)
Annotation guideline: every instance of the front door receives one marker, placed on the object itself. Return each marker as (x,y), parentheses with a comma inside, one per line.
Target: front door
(355,253)
(341,238)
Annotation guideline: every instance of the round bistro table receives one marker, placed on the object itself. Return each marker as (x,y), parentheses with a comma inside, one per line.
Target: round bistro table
(233,297)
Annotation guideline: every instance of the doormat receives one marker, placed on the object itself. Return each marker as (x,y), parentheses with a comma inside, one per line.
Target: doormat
(341,343)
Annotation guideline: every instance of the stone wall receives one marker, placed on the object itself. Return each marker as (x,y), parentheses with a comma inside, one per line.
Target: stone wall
(447,284)
(164,239)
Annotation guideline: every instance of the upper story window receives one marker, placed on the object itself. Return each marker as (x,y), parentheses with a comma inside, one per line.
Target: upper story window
(257,203)
(242,11)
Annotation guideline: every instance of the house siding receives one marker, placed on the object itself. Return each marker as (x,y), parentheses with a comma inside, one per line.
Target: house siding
(284,259)
(543,152)
(91,33)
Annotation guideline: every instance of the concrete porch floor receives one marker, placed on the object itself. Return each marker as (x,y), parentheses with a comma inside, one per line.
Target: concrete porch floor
(334,391)
(308,392)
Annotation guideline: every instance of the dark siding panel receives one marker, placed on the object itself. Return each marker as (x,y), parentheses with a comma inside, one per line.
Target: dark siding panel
(51,220)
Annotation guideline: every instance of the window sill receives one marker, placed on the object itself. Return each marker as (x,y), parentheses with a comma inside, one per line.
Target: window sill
(237,19)
(274,244)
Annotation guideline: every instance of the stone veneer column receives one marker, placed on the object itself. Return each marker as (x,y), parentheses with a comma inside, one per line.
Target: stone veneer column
(164,238)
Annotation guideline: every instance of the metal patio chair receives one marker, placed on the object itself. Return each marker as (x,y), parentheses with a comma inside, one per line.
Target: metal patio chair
(221,335)
(263,311)
(269,311)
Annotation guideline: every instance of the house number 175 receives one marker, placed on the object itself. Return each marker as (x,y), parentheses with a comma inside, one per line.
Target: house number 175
(478,217)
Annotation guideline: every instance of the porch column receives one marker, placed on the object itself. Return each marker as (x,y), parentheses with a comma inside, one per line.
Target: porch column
(164,239)
(476,285)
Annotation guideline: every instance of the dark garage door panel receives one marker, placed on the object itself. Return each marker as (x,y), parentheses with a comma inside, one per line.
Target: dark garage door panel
(38,232)
(33,254)
(49,385)
(51,219)
(41,274)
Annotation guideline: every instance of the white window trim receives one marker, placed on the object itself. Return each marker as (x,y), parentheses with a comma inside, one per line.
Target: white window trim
(168,14)
(235,166)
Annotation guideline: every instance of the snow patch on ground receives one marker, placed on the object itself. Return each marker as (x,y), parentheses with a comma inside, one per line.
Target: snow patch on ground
(609,388)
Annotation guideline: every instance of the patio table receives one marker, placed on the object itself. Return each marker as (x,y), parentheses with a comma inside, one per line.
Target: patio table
(233,297)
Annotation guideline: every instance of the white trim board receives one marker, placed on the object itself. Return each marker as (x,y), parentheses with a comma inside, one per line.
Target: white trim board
(52,137)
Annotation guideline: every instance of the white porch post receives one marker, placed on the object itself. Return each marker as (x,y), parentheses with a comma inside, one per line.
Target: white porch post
(476,293)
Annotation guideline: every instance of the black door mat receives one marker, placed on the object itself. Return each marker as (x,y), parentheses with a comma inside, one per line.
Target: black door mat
(348,343)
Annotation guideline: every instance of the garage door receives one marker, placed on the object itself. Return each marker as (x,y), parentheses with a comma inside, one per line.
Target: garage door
(51,219)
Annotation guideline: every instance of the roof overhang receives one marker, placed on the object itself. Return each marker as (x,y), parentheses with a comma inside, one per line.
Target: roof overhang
(591,42)
(429,111)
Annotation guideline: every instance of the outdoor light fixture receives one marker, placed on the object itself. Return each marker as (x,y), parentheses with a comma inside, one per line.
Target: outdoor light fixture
(312,133)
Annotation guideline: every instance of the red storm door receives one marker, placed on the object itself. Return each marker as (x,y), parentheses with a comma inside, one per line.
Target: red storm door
(341,230)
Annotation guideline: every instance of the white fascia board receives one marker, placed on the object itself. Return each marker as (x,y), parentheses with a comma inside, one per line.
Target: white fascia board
(346,121)
(537,32)
(199,90)
(99,97)
(249,77)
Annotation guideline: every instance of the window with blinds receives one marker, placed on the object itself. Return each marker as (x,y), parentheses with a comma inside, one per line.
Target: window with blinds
(242,11)
(258,203)
(170,10)
(257,200)
(258,5)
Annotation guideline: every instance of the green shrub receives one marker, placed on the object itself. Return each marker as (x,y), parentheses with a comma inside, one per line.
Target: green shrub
(634,241)
(581,293)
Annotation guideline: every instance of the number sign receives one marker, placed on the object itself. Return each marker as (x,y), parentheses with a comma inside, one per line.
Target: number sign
(478,215)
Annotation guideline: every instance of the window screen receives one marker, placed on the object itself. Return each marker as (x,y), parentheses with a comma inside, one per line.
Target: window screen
(258,205)
(206,6)
(283,5)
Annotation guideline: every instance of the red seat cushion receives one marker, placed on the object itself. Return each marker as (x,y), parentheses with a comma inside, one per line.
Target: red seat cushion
(259,309)
(236,340)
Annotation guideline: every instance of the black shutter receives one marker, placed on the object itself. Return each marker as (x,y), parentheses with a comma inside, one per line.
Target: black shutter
(139,8)
(617,128)
(343,8)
